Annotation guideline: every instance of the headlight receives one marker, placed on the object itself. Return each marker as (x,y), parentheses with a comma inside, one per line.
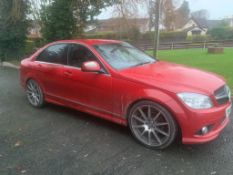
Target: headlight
(228,92)
(196,101)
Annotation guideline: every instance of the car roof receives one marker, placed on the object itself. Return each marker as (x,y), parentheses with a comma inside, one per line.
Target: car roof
(90,42)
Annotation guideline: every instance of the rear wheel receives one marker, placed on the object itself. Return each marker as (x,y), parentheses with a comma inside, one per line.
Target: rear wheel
(34,94)
(152,125)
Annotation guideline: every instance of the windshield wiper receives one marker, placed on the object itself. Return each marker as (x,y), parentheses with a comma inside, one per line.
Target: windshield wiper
(120,46)
(115,49)
(140,64)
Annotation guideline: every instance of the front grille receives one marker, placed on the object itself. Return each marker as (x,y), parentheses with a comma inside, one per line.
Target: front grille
(223,95)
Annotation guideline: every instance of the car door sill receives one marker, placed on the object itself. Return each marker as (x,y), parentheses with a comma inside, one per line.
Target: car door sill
(85,105)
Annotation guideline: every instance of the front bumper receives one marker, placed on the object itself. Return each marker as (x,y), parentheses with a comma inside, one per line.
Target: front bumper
(216,118)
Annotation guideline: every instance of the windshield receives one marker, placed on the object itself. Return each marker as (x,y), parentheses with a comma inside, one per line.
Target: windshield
(123,55)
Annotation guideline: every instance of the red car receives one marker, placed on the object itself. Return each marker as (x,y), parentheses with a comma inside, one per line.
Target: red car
(117,82)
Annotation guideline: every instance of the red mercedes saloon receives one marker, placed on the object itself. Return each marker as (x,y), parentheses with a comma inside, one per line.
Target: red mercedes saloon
(115,81)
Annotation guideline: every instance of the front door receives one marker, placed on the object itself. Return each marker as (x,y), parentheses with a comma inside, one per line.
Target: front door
(93,90)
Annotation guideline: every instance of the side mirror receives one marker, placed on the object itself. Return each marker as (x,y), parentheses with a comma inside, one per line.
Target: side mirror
(91,66)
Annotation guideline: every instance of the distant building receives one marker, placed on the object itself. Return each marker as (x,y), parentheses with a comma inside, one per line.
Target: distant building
(198,26)
(194,26)
(34,30)
(229,21)
(120,25)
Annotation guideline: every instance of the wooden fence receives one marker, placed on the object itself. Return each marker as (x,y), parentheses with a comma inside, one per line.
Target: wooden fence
(148,45)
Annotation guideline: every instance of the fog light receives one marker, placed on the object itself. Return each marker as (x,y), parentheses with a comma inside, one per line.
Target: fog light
(204,130)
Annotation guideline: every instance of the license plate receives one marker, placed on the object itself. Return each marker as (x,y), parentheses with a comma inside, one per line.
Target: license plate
(228,111)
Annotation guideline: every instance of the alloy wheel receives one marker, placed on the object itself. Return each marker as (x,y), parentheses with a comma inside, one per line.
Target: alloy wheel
(34,93)
(152,125)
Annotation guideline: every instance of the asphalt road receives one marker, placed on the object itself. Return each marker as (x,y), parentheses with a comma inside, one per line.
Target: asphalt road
(59,141)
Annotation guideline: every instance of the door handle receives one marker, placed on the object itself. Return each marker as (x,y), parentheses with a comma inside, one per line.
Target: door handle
(67,73)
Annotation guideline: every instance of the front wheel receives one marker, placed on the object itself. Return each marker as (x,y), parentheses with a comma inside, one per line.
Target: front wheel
(152,125)
(34,94)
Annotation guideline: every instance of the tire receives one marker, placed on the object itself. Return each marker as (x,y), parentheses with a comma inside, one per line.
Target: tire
(34,94)
(152,125)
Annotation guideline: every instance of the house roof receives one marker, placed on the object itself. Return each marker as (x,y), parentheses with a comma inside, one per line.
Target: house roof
(204,23)
(191,28)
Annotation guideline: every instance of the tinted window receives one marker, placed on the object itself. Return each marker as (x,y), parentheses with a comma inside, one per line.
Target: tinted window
(80,54)
(54,54)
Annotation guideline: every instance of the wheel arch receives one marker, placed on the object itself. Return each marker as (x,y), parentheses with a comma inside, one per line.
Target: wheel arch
(167,106)
(150,100)
(35,79)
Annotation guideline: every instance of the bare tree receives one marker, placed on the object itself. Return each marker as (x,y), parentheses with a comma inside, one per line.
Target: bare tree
(168,15)
(182,14)
(36,6)
(165,10)
(202,14)
(151,7)
(126,10)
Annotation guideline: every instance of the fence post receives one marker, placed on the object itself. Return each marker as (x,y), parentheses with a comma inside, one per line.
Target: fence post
(1,63)
(172,47)
(2,59)
(204,47)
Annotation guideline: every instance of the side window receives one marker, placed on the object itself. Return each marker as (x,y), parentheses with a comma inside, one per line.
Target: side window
(80,54)
(54,54)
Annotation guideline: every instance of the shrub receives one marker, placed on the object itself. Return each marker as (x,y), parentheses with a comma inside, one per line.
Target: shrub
(133,34)
(198,38)
(13,28)
(172,36)
(32,45)
(221,33)
(100,35)
(29,47)
(166,36)
(189,38)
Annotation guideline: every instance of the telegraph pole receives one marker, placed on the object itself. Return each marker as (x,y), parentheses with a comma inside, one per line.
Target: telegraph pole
(157,20)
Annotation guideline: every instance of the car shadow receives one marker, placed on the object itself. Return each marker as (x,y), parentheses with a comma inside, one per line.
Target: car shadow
(177,146)
(88,118)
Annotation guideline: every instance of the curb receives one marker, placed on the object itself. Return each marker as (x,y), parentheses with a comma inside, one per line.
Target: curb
(6,64)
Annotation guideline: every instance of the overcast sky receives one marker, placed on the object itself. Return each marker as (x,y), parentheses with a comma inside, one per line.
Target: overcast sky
(218,9)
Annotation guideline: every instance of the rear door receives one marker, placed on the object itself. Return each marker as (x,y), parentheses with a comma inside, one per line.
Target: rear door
(50,64)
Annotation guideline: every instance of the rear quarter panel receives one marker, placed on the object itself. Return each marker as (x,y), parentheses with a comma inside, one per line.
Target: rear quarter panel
(28,71)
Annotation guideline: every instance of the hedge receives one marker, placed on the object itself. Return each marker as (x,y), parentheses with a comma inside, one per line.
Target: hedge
(135,35)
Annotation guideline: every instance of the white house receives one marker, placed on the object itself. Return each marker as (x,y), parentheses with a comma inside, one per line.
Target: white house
(34,30)
(198,26)
(194,27)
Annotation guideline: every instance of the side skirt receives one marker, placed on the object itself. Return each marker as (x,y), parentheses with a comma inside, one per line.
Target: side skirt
(84,108)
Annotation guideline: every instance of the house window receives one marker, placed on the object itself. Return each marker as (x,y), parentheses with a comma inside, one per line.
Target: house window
(196,32)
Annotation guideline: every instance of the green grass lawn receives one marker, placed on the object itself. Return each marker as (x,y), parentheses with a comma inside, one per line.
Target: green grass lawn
(221,64)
